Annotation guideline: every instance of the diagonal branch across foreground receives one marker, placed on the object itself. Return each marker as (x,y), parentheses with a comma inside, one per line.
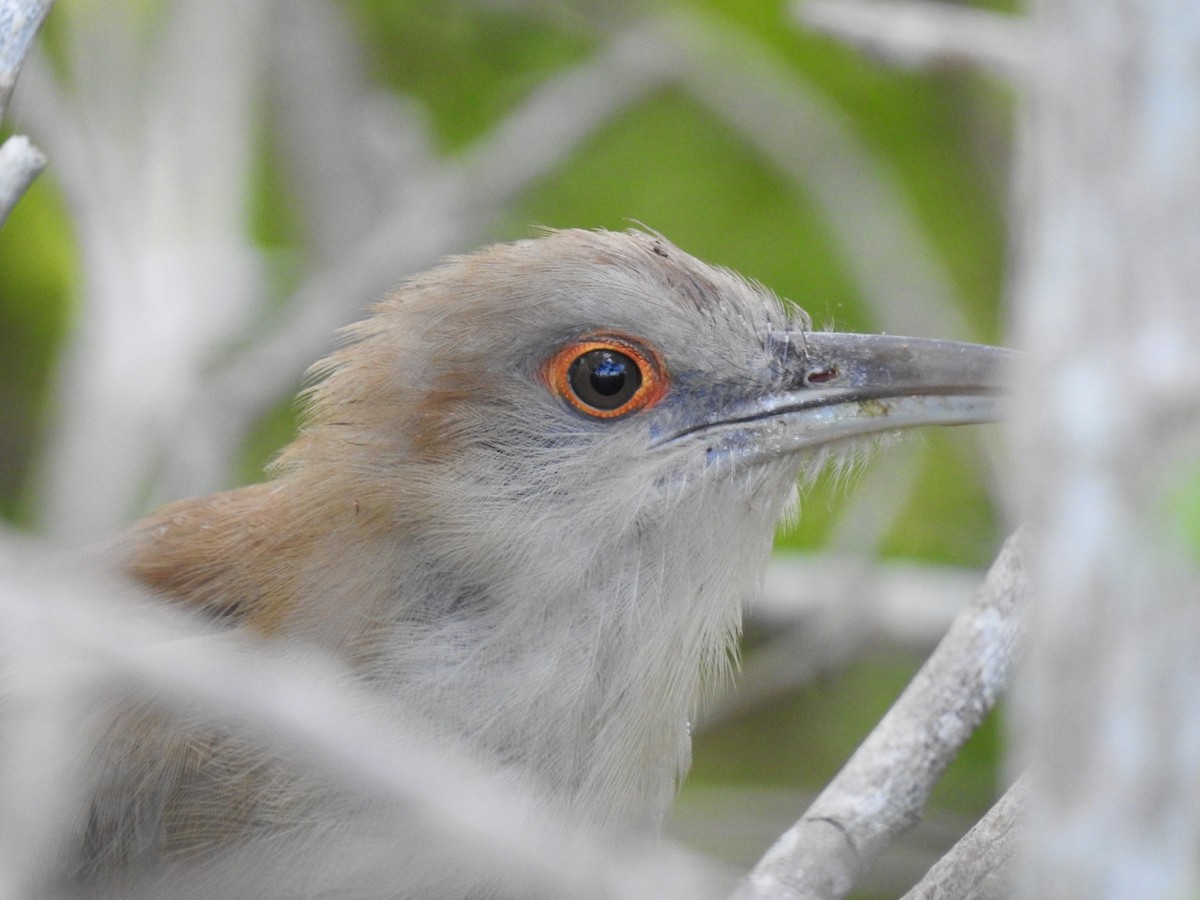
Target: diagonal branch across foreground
(883,788)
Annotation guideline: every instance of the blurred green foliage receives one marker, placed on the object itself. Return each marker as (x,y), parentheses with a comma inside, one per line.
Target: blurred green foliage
(38,275)
(1182,511)
(673,166)
(823,723)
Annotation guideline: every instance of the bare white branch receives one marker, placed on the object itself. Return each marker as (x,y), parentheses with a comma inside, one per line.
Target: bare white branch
(20,163)
(736,821)
(20,160)
(72,645)
(1107,713)
(151,133)
(884,786)
(19,23)
(980,866)
(922,33)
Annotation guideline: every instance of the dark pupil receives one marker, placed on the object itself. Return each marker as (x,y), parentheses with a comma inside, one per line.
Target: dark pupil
(605,379)
(608,376)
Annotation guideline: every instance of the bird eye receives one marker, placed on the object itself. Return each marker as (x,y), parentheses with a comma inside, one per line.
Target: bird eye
(606,378)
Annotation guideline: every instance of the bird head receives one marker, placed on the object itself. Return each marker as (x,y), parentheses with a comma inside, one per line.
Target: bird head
(537,482)
(596,381)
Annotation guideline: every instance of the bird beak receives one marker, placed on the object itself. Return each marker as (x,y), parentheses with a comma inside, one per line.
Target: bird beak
(838,385)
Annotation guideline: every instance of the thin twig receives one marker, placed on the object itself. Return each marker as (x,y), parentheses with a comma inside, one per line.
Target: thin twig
(20,160)
(882,789)
(979,866)
(20,163)
(920,33)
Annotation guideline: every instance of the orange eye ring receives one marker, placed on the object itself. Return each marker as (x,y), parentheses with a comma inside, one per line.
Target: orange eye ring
(606,377)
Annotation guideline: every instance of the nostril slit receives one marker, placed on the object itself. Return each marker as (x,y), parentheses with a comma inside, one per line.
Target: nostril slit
(820,375)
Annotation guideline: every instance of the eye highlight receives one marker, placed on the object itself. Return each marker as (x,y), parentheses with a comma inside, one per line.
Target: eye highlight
(606,377)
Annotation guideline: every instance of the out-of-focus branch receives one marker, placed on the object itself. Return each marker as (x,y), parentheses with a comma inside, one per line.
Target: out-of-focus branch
(352,151)
(879,495)
(979,867)
(884,786)
(438,208)
(824,610)
(907,604)
(813,144)
(1106,715)
(19,23)
(922,33)
(20,160)
(556,119)
(73,644)
(151,130)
